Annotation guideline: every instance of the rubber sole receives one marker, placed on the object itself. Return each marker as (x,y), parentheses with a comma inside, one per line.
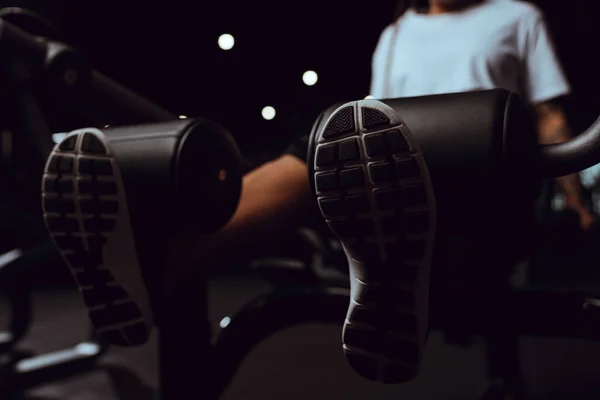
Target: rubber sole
(374,191)
(86,213)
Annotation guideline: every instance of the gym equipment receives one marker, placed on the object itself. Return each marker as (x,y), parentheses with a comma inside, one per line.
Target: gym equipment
(197,146)
(481,151)
(21,370)
(314,261)
(19,300)
(107,103)
(481,129)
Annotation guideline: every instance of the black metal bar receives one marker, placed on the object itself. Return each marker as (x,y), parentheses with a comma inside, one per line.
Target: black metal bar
(112,103)
(275,311)
(503,361)
(573,156)
(23,373)
(19,297)
(67,72)
(530,312)
(23,59)
(69,78)
(41,368)
(48,367)
(186,357)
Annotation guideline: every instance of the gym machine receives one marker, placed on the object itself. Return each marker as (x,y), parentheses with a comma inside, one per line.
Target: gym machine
(30,64)
(24,370)
(21,370)
(488,139)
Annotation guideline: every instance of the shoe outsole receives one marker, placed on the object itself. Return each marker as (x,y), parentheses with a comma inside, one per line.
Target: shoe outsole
(86,213)
(374,191)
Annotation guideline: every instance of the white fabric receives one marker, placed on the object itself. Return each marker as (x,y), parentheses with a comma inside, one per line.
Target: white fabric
(495,44)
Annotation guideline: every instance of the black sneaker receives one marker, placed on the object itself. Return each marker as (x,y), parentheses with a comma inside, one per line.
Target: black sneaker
(374,190)
(86,213)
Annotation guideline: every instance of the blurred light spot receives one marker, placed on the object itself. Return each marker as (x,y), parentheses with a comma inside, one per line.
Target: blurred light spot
(224,322)
(7,258)
(268,113)
(88,348)
(182,117)
(369,97)
(310,78)
(226,41)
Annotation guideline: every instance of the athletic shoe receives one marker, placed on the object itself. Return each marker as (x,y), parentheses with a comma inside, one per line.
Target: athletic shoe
(86,213)
(374,191)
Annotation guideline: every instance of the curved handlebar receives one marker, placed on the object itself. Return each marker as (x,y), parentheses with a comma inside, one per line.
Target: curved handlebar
(278,310)
(573,156)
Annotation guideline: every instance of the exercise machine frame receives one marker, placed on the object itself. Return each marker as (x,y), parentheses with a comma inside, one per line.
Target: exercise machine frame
(27,59)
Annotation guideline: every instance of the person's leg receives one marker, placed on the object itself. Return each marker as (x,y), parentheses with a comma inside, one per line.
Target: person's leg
(115,214)
(374,190)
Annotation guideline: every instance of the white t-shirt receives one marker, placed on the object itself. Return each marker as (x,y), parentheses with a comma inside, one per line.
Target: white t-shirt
(494,44)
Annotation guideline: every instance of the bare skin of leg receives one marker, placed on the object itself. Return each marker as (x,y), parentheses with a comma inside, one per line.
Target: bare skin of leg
(274,197)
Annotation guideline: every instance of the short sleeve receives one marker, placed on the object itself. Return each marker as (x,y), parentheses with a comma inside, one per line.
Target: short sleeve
(379,63)
(544,77)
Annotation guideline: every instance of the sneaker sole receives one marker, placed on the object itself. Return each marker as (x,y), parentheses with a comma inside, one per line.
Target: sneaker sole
(86,213)
(374,191)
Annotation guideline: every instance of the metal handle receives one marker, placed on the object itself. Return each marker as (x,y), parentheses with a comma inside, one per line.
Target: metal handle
(573,156)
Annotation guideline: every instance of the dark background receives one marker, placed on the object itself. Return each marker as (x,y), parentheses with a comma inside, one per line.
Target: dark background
(167,51)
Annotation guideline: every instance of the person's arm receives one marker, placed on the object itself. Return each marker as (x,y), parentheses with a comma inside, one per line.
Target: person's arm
(275,197)
(553,128)
(544,81)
